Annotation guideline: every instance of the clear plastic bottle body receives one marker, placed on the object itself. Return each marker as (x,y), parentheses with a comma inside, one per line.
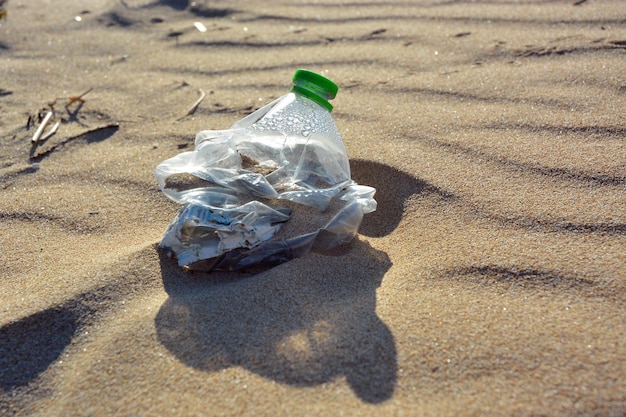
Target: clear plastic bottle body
(298,140)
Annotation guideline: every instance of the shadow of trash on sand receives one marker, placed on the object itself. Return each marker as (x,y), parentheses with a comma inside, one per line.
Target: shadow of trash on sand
(296,324)
(393,188)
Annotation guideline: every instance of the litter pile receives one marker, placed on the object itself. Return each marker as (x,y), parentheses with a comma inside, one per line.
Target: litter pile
(273,187)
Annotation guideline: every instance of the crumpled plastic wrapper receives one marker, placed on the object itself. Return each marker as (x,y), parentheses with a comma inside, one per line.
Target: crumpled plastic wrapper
(240,186)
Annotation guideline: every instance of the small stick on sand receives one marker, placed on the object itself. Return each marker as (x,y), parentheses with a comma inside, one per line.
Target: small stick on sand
(41,127)
(51,132)
(80,99)
(193,108)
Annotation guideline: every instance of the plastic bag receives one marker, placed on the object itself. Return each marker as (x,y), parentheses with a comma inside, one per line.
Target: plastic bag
(273,187)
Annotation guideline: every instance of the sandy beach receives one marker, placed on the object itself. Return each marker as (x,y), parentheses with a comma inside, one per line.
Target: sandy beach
(491,280)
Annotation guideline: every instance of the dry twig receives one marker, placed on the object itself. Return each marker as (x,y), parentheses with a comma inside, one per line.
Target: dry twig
(51,132)
(80,99)
(193,108)
(41,127)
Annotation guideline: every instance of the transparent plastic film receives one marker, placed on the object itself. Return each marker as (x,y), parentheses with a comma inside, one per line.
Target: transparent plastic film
(273,187)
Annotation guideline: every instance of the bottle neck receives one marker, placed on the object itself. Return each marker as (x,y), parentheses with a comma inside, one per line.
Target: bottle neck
(314,94)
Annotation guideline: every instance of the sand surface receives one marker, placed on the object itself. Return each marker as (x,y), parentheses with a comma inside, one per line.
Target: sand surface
(491,280)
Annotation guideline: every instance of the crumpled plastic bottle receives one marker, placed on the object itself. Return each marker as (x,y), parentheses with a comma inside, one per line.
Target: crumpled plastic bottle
(289,151)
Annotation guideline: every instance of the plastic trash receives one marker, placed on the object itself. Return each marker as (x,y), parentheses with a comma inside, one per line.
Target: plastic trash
(273,187)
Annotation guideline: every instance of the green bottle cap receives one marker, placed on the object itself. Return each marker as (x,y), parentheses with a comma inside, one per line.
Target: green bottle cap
(314,86)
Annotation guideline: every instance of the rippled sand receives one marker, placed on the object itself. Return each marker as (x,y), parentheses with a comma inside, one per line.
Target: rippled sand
(491,280)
